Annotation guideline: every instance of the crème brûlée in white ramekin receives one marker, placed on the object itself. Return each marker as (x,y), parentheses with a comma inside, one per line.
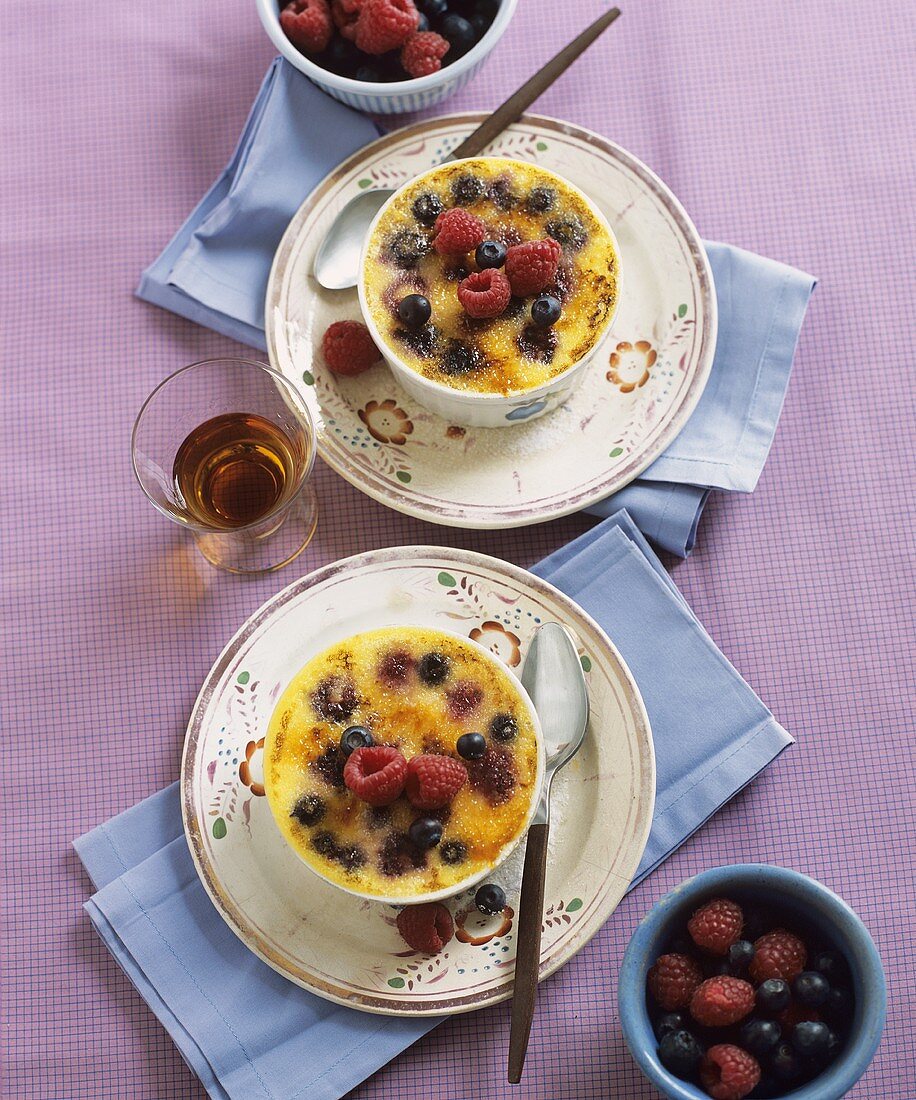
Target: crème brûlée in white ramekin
(403,764)
(488,283)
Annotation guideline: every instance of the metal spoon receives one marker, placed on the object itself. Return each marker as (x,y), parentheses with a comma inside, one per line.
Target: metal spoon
(336,264)
(553,677)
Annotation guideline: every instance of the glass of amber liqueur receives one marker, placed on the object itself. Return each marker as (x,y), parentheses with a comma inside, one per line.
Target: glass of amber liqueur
(225,448)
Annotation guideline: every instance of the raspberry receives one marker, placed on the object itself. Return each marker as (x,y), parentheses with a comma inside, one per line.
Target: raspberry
(673,980)
(715,926)
(423,53)
(456,232)
(721,1001)
(426,927)
(348,348)
(376,774)
(484,293)
(729,1073)
(433,781)
(345,14)
(532,266)
(385,25)
(307,24)
(778,954)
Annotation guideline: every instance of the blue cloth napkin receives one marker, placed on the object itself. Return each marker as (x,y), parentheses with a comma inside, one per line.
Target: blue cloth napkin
(215,271)
(249,1033)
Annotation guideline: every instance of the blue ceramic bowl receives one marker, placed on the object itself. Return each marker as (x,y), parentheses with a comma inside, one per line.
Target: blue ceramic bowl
(783,891)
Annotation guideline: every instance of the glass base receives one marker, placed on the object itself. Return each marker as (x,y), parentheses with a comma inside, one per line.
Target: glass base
(245,552)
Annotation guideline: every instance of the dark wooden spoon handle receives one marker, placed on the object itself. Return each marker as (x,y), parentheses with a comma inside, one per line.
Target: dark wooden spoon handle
(516,105)
(528,953)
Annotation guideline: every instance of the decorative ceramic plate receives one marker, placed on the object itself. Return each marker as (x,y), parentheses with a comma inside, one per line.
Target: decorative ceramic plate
(638,392)
(342,947)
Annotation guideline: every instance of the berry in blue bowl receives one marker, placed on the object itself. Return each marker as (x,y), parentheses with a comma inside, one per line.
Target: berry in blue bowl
(752,981)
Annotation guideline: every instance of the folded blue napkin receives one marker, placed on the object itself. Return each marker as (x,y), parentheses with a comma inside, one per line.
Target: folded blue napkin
(246,1031)
(215,271)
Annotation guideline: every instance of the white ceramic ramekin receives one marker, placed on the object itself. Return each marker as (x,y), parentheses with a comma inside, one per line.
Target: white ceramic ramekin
(508,849)
(398,96)
(484,410)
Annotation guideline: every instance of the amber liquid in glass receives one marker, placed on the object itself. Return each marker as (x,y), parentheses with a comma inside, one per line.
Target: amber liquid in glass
(234,470)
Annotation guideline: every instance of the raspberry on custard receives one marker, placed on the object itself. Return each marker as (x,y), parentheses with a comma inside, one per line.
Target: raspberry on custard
(433,781)
(715,926)
(422,54)
(348,348)
(308,24)
(484,293)
(721,1001)
(729,1073)
(427,927)
(376,774)
(673,980)
(385,25)
(532,266)
(457,232)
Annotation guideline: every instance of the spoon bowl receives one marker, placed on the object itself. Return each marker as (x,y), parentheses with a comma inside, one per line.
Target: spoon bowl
(337,260)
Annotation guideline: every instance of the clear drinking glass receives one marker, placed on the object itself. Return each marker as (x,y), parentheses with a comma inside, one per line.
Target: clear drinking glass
(225,448)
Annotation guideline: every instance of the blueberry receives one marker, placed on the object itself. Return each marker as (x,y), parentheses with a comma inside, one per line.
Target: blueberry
(714,968)
(537,343)
(490,254)
(334,699)
(341,55)
(832,965)
(545,311)
(490,898)
(459,359)
(668,1022)
(414,311)
(501,193)
(422,24)
(353,738)
(569,231)
(406,248)
(540,200)
(489,8)
(773,996)
(810,988)
(309,810)
(680,1053)
(471,746)
(838,1007)
(427,207)
(810,1038)
(785,1064)
(422,342)
(759,1037)
(325,844)
(452,852)
(459,33)
(433,8)
(480,23)
(740,955)
(503,728)
(833,1048)
(350,857)
(434,668)
(372,74)
(425,832)
(466,189)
